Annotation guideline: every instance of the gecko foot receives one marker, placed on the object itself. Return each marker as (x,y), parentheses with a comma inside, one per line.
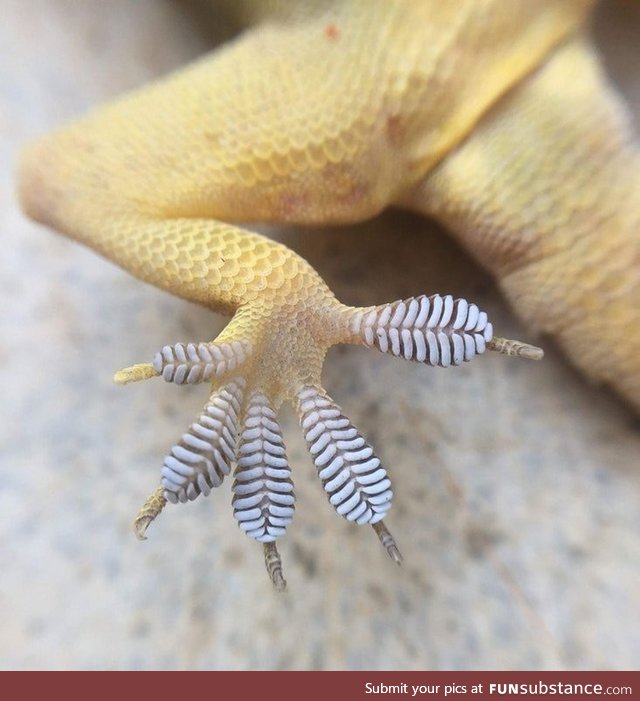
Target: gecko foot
(253,368)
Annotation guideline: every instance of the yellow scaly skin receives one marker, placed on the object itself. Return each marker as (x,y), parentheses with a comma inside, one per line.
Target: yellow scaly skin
(490,116)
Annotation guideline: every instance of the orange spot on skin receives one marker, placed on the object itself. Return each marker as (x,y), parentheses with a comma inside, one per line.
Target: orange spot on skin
(291,206)
(213,137)
(394,130)
(343,181)
(355,196)
(332,32)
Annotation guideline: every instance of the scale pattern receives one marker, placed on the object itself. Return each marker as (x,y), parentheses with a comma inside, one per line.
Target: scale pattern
(191,363)
(353,478)
(435,330)
(490,116)
(263,501)
(204,455)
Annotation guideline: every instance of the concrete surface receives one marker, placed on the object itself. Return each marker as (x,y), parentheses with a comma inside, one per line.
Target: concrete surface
(517,485)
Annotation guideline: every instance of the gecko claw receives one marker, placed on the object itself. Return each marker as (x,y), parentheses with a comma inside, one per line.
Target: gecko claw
(149,511)
(273,564)
(518,348)
(135,373)
(388,542)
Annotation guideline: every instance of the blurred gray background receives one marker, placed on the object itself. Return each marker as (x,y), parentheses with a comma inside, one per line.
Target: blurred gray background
(517,485)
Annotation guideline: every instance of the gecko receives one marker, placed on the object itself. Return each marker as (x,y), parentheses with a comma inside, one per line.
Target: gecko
(493,118)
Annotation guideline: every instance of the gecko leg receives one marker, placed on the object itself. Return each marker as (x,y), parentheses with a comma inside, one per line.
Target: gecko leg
(545,194)
(158,182)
